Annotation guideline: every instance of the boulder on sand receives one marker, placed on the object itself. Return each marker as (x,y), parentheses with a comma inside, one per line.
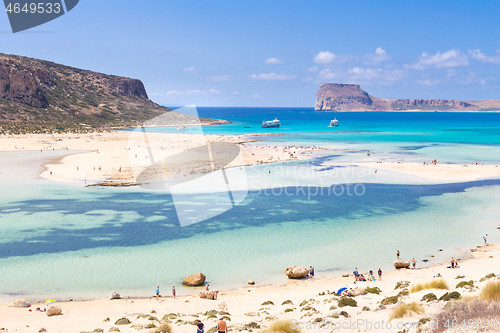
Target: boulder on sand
(54,310)
(20,303)
(194,280)
(251,282)
(207,294)
(114,295)
(401,264)
(296,272)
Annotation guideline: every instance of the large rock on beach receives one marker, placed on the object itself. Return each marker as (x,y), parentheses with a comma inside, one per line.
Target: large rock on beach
(194,280)
(296,272)
(251,282)
(114,295)
(20,303)
(207,294)
(54,310)
(401,264)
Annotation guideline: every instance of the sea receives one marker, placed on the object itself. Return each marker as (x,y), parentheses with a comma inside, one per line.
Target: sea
(67,241)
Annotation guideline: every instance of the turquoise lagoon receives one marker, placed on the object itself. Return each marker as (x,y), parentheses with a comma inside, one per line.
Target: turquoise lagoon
(67,241)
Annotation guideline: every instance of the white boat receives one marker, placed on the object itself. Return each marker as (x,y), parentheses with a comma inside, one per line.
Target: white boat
(334,122)
(271,123)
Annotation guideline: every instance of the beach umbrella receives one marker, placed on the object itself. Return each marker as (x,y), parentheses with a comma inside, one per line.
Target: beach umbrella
(49,301)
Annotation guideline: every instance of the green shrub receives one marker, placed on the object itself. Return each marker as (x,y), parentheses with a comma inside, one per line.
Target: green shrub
(289,310)
(347,301)
(344,313)
(389,300)
(333,307)
(403,293)
(365,308)
(287,302)
(429,297)
(401,285)
(374,290)
(268,303)
(448,296)
(459,277)
(465,284)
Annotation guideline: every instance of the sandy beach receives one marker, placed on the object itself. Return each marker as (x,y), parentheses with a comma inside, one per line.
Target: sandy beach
(122,156)
(310,307)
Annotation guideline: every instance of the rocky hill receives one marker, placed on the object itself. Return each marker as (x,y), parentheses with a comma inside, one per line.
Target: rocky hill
(350,97)
(42,96)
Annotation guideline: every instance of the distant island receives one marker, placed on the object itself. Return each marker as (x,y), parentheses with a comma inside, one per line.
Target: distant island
(38,96)
(350,97)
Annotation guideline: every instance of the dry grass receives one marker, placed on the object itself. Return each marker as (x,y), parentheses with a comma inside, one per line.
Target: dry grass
(404,309)
(467,312)
(163,328)
(491,291)
(282,326)
(434,284)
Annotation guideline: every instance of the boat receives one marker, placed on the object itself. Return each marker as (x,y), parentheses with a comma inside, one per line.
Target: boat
(334,122)
(271,123)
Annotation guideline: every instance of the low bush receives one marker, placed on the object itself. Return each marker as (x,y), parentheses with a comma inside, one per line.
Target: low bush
(435,284)
(429,297)
(465,284)
(347,301)
(389,300)
(374,290)
(491,291)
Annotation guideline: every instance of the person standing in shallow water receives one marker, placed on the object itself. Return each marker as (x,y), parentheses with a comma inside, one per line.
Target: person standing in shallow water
(397,254)
(311,271)
(157,293)
(173,292)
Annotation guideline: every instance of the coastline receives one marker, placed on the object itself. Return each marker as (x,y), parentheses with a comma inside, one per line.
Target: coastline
(246,304)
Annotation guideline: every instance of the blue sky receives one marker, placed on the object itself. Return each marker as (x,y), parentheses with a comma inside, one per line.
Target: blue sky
(277,53)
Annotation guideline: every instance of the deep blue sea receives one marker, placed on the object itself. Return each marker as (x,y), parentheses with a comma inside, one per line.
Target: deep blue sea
(67,241)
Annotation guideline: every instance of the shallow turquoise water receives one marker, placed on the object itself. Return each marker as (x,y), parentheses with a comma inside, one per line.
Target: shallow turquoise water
(63,240)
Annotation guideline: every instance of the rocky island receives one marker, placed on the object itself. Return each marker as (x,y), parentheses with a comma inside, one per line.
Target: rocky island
(350,97)
(40,96)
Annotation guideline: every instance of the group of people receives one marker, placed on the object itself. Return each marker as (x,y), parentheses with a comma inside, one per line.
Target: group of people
(157,292)
(221,326)
(360,277)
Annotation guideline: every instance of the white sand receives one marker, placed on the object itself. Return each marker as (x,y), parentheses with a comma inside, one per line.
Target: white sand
(89,315)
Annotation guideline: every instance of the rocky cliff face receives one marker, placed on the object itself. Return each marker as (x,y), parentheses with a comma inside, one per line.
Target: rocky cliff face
(36,95)
(333,95)
(21,85)
(350,97)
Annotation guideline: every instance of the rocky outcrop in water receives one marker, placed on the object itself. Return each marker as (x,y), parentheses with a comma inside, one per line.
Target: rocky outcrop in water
(350,97)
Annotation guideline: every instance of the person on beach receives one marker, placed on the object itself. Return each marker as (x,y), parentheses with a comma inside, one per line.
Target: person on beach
(311,271)
(452,262)
(207,287)
(157,293)
(485,237)
(379,274)
(173,292)
(371,275)
(355,272)
(200,328)
(414,263)
(397,254)
(221,325)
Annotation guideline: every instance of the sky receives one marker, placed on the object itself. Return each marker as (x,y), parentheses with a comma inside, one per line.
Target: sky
(276,53)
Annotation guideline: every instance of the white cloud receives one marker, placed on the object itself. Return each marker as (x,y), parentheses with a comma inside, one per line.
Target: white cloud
(189,69)
(451,73)
(448,59)
(428,82)
(172,92)
(379,56)
(307,79)
(218,78)
(367,74)
(236,93)
(273,61)
(477,54)
(271,76)
(255,96)
(192,92)
(327,74)
(323,57)
(312,69)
